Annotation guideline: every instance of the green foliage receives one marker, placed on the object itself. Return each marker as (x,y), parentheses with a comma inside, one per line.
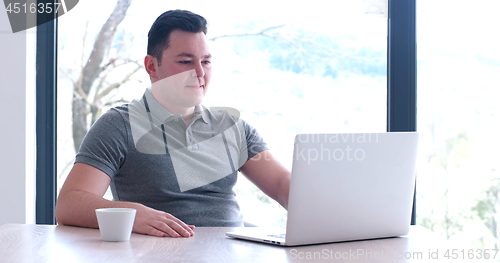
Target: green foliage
(442,214)
(306,52)
(488,208)
(451,152)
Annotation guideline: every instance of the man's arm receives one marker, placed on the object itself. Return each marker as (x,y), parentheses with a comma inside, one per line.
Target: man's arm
(82,193)
(269,175)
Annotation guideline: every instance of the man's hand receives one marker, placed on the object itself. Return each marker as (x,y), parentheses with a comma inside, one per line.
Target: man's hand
(82,194)
(158,223)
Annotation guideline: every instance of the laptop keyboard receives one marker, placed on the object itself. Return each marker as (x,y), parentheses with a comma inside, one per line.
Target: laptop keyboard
(278,236)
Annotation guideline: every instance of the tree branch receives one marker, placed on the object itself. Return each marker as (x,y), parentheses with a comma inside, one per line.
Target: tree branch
(261,33)
(115,85)
(125,61)
(103,40)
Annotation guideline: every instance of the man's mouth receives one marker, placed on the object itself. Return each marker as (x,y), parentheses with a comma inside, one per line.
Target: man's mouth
(192,86)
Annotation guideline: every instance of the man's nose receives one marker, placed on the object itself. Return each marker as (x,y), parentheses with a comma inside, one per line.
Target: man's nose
(200,73)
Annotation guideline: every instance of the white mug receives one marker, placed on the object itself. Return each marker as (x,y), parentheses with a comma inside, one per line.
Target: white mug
(115,224)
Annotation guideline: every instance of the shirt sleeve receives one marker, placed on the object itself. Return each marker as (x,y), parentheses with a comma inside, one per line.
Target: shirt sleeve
(105,144)
(255,143)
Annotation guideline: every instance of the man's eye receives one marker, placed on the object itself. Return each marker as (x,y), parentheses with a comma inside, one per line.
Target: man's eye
(206,62)
(185,62)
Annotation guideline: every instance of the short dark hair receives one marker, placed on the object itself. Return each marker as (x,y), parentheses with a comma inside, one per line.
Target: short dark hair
(159,34)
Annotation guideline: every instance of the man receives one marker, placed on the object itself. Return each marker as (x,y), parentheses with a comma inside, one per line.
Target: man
(166,155)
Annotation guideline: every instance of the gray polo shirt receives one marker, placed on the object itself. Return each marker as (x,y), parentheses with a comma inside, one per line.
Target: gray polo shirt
(155,159)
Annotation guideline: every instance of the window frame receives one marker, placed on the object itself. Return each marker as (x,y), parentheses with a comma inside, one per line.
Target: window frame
(402,71)
(46,117)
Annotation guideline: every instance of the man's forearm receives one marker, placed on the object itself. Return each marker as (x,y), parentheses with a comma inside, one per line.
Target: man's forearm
(284,190)
(77,208)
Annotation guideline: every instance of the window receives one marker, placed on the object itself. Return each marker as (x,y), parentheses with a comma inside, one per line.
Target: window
(458,115)
(287,68)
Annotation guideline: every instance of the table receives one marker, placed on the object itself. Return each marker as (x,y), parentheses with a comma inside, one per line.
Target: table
(48,243)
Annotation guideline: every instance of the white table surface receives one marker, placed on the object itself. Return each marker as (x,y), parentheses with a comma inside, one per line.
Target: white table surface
(46,243)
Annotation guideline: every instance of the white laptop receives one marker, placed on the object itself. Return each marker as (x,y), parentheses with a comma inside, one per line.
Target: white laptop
(347,187)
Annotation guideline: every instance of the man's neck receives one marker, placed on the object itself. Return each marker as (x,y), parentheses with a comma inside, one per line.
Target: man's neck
(186,113)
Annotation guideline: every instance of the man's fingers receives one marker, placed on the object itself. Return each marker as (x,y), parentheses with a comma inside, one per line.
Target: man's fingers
(172,229)
(154,232)
(181,229)
(157,223)
(165,228)
(148,230)
(185,230)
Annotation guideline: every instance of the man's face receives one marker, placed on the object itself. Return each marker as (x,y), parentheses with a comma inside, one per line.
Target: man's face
(184,72)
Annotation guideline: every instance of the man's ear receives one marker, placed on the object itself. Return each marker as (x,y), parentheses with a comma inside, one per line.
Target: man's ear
(151,65)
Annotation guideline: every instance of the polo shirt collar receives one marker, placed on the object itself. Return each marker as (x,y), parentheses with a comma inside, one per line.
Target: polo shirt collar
(205,113)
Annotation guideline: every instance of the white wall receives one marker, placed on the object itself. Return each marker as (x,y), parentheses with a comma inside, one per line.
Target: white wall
(15,207)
